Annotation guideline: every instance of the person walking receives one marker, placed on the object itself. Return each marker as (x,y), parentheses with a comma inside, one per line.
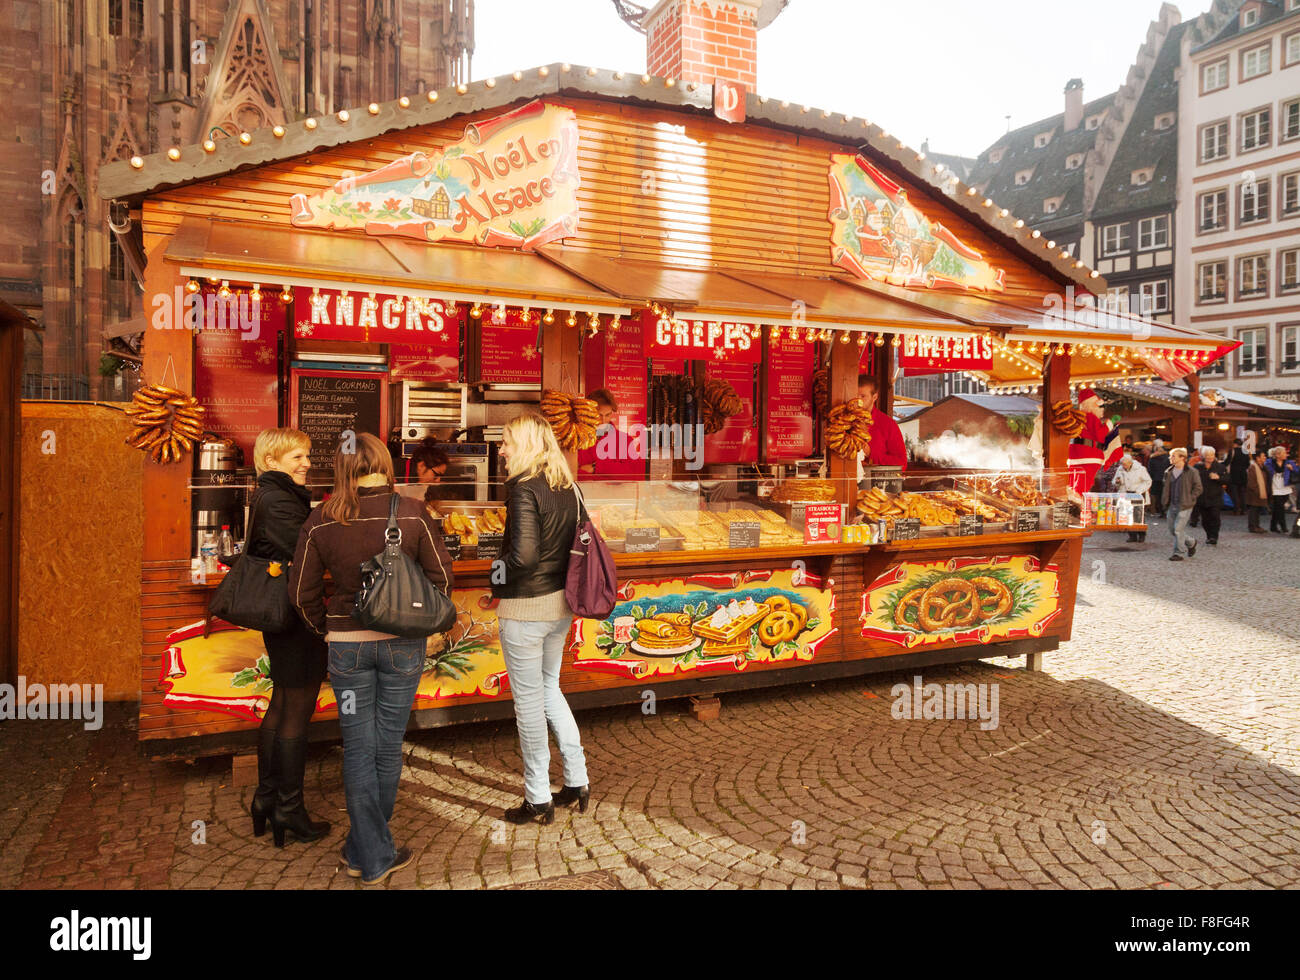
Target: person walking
(375,675)
(1256,490)
(282,502)
(542,514)
(1282,473)
(1181,491)
(1157,465)
(1214,475)
(1238,462)
(1132,477)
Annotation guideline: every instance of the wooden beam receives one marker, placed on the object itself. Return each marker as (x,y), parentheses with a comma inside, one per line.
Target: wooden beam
(12,323)
(1056,388)
(843,386)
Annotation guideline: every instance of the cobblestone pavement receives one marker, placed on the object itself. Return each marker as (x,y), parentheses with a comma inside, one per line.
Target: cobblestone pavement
(1160,748)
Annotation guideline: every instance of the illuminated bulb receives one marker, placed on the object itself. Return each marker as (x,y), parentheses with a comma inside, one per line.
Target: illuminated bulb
(192,286)
(404,102)
(756,332)
(1059,350)
(286,295)
(315,291)
(1051,244)
(897,341)
(669,82)
(224,291)
(209,146)
(862,340)
(618,76)
(277,131)
(256,293)
(776,333)
(476,311)
(550,316)
(988,202)
(645,79)
(1033,348)
(844,337)
(565,66)
(971,192)
(309,122)
(490,82)
(1003,213)
(1036,234)
(543,71)
(344,115)
(245,138)
(137,162)
(1020,222)
(518,76)
(572,320)
(462,88)
(373,108)
(499,314)
(880,340)
(173,154)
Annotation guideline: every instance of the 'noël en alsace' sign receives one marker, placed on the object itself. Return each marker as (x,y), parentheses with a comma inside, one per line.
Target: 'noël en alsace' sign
(510,181)
(877,234)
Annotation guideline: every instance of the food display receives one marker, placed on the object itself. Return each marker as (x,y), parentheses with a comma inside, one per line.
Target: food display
(1017,490)
(1067,419)
(469,526)
(167,422)
(877,505)
(848,429)
(573,418)
(801,491)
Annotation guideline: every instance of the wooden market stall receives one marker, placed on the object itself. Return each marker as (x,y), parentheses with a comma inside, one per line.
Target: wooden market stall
(434,264)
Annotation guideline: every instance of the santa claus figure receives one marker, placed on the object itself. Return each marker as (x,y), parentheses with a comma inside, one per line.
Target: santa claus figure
(1098,445)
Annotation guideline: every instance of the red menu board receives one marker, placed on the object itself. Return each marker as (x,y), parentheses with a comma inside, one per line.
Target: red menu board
(738,440)
(326,314)
(617,362)
(419,362)
(236,377)
(790,367)
(508,352)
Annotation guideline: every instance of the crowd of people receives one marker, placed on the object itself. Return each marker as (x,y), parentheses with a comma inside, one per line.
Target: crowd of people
(1192,487)
(375,675)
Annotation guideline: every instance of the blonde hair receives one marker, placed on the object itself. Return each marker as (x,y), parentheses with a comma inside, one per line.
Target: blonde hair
(534,450)
(1277,451)
(370,455)
(275,443)
(1178,452)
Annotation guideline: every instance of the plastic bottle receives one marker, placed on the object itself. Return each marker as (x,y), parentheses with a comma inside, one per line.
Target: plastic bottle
(225,545)
(208,552)
(1124,512)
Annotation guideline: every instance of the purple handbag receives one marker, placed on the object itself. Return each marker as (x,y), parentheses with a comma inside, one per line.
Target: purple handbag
(591,584)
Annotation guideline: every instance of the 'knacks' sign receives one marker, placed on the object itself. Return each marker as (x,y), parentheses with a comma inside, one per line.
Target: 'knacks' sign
(877,234)
(511,181)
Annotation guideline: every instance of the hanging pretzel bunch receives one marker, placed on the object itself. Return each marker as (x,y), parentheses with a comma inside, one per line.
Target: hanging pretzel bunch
(718,402)
(167,422)
(1067,419)
(573,418)
(848,429)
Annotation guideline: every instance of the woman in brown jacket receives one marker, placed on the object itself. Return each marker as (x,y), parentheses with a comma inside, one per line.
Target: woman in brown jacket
(374,675)
(1256,492)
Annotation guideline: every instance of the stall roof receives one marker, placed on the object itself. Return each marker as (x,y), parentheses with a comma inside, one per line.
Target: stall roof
(1176,396)
(320,258)
(140,177)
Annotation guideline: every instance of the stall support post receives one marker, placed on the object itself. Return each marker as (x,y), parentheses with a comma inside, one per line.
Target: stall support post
(12,323)
(843,386)
(561,365)
(1056,388)
(1193,407)
(167,536)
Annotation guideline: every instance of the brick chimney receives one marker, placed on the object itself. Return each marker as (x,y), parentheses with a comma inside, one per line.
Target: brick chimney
(701,40)
(1073,104)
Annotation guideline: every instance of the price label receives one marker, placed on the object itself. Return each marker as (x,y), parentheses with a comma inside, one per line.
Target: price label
(907,529)
(489,545)
(969,525)
(821,523)
(452,541)
(1060,515)
(744,534)
(642,539)
(1028,520)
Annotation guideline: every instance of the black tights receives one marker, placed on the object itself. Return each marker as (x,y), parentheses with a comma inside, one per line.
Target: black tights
(290,710)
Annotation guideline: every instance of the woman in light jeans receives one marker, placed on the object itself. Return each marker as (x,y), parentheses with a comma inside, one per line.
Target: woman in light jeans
(542,509)
(374,675)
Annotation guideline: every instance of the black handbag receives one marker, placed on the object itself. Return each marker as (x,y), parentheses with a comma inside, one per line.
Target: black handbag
(250,595)
(396,596)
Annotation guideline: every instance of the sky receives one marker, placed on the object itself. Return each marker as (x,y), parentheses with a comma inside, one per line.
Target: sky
(952,77)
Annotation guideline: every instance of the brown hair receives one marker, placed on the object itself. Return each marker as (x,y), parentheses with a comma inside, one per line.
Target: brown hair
(869,381)
(604,395)
(369,456)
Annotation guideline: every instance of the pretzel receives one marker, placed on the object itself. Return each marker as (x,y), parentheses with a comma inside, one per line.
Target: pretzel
(778,626)
(911,601)
(952,613)
(1001,597)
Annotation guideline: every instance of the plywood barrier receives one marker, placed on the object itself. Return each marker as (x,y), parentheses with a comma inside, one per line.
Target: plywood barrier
(79,568)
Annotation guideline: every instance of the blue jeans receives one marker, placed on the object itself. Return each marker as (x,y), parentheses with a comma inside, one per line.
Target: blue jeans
(375,683)
(1178,528)
(533,652)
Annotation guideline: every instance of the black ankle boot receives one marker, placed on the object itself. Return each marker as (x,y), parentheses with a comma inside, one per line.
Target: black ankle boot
(290,755)
(541,812)
(573,794)
(264,796)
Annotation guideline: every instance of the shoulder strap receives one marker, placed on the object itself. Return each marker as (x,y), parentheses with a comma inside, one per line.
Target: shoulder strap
(393,533)
(582,505)
(252,515)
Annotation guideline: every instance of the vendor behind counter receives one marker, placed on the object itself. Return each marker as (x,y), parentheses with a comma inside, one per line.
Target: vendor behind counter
(887,446)
(590,464)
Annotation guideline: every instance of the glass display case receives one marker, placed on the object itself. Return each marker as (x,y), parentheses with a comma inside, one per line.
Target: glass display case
(1113,510)
(968,502)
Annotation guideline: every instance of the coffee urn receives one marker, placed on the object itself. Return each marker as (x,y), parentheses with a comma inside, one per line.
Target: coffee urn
(218,494)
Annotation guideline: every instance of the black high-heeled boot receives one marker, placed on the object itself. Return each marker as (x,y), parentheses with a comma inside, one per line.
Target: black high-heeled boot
(289,814)
(264,795)
(541,812)
(573,794)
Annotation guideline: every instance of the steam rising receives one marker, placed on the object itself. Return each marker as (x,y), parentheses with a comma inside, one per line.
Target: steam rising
(977,453)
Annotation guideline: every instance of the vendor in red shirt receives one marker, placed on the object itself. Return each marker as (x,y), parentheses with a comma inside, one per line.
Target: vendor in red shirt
(887,448)
(616,455)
